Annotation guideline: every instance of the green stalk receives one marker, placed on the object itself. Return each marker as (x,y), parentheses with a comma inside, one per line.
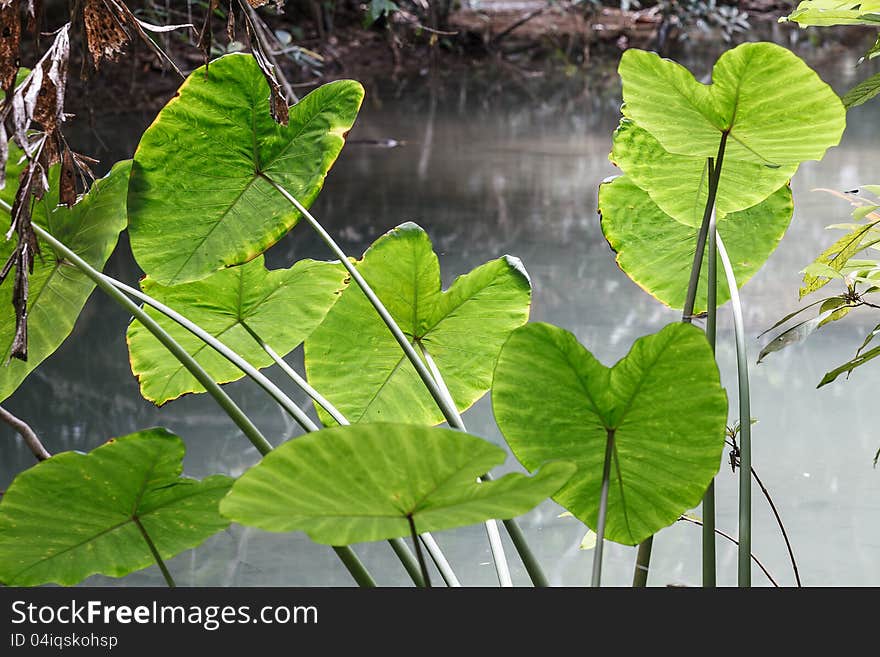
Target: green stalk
(355,567)
(440,561)
(643,563)
(744,577)
(448,409)
(419,554)
(294,376)
(603,511)
(713,168)
(502,570)
(263,446)
(260,379)
(709,558)
(401,549)
(156,556)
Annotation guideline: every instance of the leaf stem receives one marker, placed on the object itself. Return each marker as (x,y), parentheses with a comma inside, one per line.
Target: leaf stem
(439,560)
(713,169)
(419,554)
(294,376)
(450,412)
(603,511)
(263,446)
(401,549)
(502,569)
(260,379)
(156,557)
(744,577)
(709,556)
(643,563)
(355,567)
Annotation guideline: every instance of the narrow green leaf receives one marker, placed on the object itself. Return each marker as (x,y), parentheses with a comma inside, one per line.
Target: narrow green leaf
(361,483)
(355,362)
(58,290)
(799,332)
(282,306)
(198,200)
(663,401)
(862,92)
(849,366)
(863,211)
(73,515)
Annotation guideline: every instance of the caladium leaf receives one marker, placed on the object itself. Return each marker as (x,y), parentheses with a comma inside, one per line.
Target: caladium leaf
(200,197)
(663,404)
(75,515)
(366,482)
(355,362)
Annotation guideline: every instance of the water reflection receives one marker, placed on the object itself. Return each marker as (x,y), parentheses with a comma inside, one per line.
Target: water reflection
(490,168)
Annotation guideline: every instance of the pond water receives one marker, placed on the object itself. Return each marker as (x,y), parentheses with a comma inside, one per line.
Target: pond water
(488,167)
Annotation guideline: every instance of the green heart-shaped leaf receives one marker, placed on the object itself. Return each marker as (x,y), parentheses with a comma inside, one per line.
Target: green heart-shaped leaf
(663,402)
(679,184)
(362,483)
(355,362)
(199,198)
(58,290)
(76,515)
(656,252)
(774,108)
(282,307)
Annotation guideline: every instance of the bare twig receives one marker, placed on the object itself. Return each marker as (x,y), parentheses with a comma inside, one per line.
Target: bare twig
(734,463)
(736,542)
(30,437)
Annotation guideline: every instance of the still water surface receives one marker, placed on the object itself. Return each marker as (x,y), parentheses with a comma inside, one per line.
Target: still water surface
(490,167)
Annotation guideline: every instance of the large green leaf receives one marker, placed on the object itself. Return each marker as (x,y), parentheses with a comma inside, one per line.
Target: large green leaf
(775,110)
(835,12)
(678,184)
(355,362)
(663,402)
(363,482)
(199,199)
(76,515)
(58,290)
(282,307)
(657,252)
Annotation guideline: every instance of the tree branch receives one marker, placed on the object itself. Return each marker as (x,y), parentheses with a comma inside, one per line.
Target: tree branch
(30,437)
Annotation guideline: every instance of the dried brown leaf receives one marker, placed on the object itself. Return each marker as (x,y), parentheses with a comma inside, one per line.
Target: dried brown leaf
(10,38)
(106,35)
(277,101)
(67,179)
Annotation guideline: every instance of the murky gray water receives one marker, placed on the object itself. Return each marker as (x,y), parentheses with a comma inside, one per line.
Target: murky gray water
(494,168)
